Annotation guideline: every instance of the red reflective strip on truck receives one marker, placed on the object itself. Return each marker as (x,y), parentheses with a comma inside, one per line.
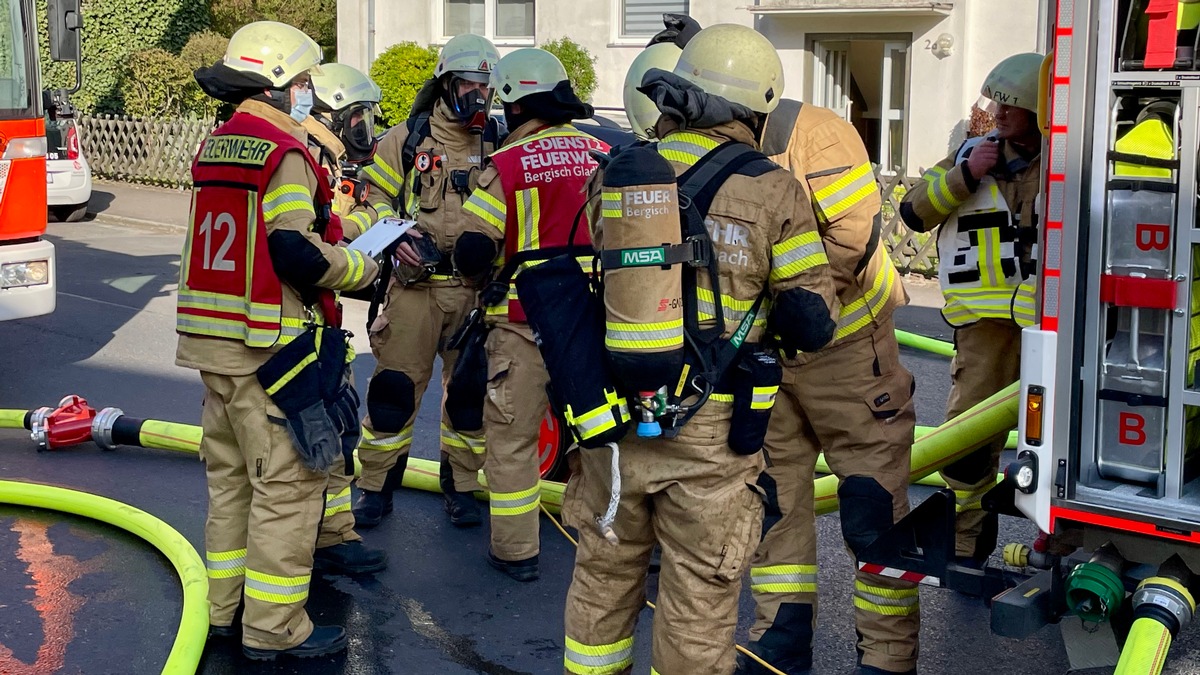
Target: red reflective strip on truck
(1121,525)
(1124,291)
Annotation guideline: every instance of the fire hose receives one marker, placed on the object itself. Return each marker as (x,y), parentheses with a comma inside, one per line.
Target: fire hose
(193,623)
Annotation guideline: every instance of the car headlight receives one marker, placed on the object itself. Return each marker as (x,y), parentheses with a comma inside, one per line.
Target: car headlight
(29,273)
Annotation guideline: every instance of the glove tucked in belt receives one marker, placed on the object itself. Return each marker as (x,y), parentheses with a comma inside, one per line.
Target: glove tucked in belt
(309,381)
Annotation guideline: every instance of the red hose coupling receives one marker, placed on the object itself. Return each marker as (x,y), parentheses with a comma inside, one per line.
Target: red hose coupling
(69,424)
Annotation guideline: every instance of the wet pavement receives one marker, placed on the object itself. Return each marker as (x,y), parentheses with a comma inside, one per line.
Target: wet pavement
(81,597)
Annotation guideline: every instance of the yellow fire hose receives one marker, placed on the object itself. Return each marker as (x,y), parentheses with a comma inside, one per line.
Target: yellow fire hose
(930,452)
(1145,650)
(193,624)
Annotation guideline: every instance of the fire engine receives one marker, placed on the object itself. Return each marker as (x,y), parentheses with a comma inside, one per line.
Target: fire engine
(27,262)
(1108,454)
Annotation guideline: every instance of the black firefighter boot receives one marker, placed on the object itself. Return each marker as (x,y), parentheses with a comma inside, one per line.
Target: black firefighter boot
(371,507)
(462,507)
(349,557)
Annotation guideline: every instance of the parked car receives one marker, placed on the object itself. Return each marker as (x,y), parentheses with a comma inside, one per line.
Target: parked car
(68,176)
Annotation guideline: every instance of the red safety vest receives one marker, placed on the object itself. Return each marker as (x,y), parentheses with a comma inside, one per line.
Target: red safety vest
(543,178)
(228,287)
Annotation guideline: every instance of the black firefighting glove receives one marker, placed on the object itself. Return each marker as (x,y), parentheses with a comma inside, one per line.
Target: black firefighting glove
(679,29)
(293,379)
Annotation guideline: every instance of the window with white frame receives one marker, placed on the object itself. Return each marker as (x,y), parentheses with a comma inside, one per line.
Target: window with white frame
(644,17)
(498,20)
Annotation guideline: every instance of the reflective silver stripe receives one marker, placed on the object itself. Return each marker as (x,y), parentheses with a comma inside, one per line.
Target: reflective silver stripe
(600,661)
(764,579)
(275,589)
(637,334)
(763,398)
(830,201)
(236,563)
(586,427)
(799,253)
(340,500)
(515,503)
(910,601)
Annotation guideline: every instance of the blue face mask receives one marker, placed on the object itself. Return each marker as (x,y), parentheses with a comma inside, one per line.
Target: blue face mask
(302,103)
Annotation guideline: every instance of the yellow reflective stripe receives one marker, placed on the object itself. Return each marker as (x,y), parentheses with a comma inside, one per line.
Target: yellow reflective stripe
(490,209)
(259,311)
(457,439)
(384,177)
(1024,306)
(783,579)
(971,500)
(886,601)
(734,310)
(225,564)
(361,221)
(686,147)
(515,503)
(797,254)
(721,398)
(291,373)
(226,328)
(384,211)
(387,443)
(601,418)
(356,266)
(287,198)
(587,659)
(529,214)
(610,204)
(841,195)
(276,589)
(763,398)
(658,335)
(932,178)
(856,315)
(339,503)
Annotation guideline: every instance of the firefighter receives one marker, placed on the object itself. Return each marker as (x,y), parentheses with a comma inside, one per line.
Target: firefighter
(341,135)
(258,207)
(527,199)
(342,138)
(983,196)
(696,494)
(427,168)
(867,446)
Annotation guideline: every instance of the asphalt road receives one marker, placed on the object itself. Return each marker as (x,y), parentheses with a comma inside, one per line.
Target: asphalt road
(79,597)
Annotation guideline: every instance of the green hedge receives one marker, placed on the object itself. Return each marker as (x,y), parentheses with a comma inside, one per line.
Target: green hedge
(318,18)
(113,31)
(400,71)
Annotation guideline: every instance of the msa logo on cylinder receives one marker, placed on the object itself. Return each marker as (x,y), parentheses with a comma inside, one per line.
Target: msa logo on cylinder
(636,257)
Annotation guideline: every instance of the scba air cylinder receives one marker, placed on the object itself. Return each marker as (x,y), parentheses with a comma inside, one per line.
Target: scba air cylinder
(643,293)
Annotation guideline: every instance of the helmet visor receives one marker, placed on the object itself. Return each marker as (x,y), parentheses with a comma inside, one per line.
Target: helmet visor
(358,129)
(470,100)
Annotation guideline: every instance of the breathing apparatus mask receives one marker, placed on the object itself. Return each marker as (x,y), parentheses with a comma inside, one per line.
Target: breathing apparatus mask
(355,126)
(469,102)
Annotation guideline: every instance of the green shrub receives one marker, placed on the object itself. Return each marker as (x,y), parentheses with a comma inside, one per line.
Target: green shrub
(317,18)
(114,30)
(155,84)
(579,62)
(202,50)
(400,71)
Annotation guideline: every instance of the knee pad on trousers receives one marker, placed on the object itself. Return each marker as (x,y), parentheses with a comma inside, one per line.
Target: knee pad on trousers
(772,513)
(391,401)
(973,469)
(866,511)
(787,644)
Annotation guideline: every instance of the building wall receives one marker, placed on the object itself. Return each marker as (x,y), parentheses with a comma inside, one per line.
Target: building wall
(941,90)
